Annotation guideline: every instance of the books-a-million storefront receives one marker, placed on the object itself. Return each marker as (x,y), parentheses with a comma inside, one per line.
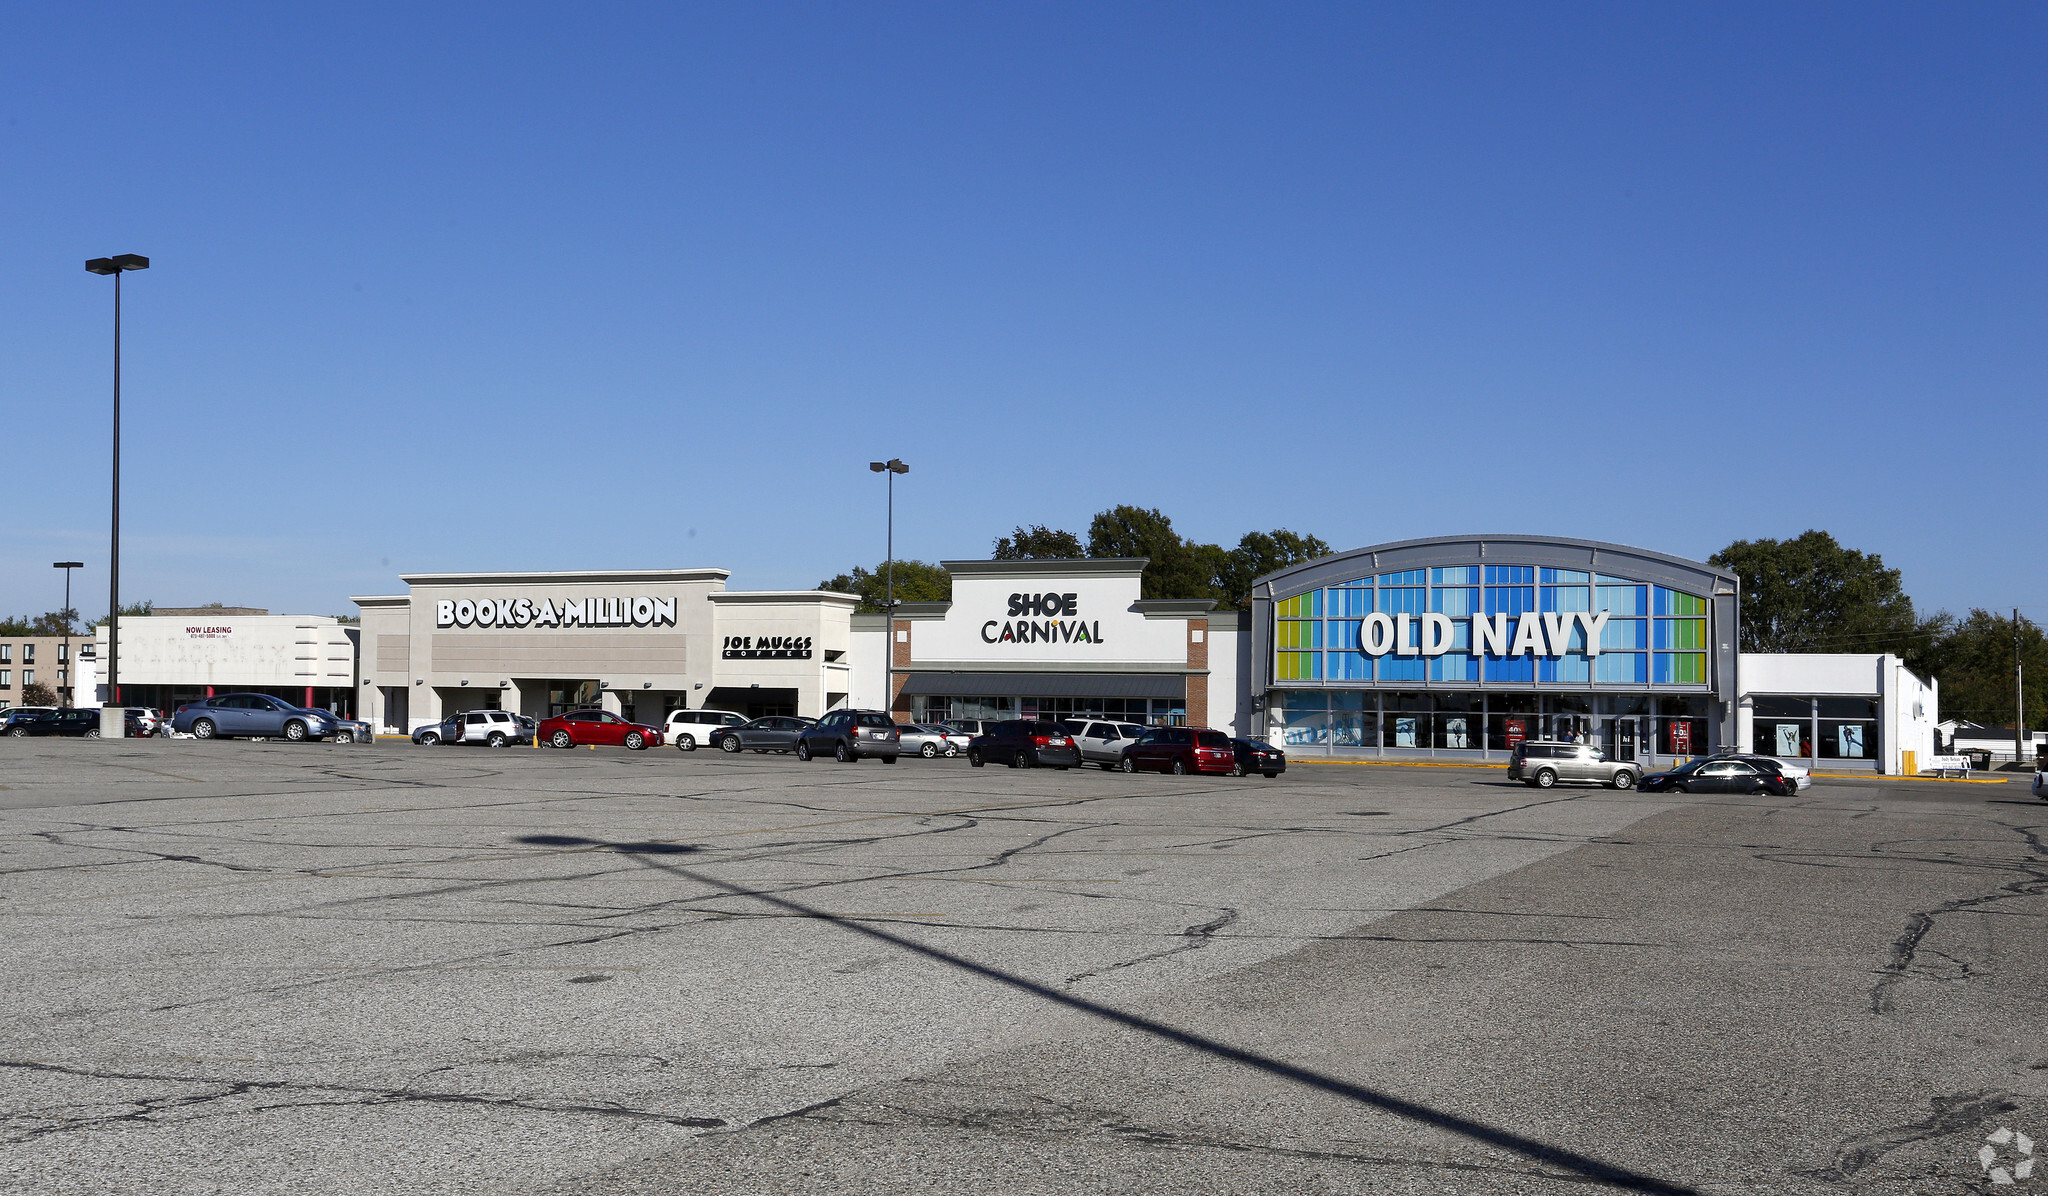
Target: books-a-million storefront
(637,642)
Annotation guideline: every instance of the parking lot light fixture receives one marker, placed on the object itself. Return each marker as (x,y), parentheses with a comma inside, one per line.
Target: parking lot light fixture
(117,265)
(892,467)
(70,666)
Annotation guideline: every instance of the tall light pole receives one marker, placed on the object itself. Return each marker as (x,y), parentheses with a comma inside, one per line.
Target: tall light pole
(116,266)
(70,665)
(892,467)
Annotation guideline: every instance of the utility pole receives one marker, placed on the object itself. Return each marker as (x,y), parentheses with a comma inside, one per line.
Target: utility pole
(2019,694)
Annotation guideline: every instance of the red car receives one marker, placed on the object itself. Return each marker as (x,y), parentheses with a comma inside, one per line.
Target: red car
(579,727)
(1180,750)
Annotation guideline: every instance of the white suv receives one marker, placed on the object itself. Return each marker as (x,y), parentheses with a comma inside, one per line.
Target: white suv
(1102,741)
(690,729)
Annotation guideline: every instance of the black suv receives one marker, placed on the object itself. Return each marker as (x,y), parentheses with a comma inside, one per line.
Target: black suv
(82,723)
(847,735)
(1022,744)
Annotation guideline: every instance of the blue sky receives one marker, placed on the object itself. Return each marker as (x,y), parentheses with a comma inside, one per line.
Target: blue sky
(522,287)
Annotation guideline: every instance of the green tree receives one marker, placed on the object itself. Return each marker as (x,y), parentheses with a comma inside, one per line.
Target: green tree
(129,610)
(35,693)
(1039,543)
(17,625)
(1177,569)
(916,581)
(1810,594)
(56,622)
(1974,662)
(1260,553)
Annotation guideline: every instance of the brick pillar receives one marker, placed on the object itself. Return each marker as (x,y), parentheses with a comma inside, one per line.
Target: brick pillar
(1198,683)
(899,658)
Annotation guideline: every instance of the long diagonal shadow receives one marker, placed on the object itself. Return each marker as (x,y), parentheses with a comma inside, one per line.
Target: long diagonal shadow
(1556,1156)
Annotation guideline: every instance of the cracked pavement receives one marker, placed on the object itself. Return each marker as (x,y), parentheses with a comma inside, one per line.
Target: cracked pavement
(250,967)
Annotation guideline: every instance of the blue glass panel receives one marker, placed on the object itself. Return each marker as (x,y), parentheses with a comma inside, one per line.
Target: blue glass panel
(1348,601)
(1510,600)
(1404,601)
(1461,601)
(1462,575)
(1626,667)
(1567,598)
(1413,577)
(1461,635)
(1623,634)
(1565,577)
(1454,666)
(1401,668)
(1348,666)
(1621,600)
(1511,575)
(1344,633)
(1571,667)
(1512,668)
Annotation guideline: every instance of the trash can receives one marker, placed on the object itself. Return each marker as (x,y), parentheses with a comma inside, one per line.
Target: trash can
(1980,758)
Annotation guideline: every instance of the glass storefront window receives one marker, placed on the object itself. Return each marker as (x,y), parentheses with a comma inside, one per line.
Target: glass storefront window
(1848,739)
(1848,708)
(1682,736)
(1304,720)
(1348,720)
(1774,706)
(1405,721)
(1624,703)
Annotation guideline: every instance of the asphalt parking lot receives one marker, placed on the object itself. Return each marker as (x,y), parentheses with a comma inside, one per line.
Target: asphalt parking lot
(262,967)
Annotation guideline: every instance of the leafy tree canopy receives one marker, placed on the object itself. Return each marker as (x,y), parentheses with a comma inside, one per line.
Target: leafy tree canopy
(129,609)
(1974,661)
(916,581)
(56,622)
(1039,543)
(1810,594)
(35,693)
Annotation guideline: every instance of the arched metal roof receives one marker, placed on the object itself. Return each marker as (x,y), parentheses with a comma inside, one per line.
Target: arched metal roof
(1548,552)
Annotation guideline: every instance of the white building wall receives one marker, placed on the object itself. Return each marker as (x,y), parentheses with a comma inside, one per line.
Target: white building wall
(1226,655)
(1908,706)
(869,655)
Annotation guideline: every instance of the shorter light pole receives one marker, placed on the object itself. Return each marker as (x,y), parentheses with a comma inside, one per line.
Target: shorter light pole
(70,665)
(892,467)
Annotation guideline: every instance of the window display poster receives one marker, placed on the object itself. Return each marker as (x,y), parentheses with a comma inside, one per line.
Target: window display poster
(1681,738)
(1454,733)
(1404,732)
(1788,740)
(1518,730)
(1852,743)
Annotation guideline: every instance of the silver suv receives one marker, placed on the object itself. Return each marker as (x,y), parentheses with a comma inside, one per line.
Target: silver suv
(1543,763)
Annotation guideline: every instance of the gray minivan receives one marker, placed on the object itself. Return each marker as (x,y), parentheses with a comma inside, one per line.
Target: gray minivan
(1544,763)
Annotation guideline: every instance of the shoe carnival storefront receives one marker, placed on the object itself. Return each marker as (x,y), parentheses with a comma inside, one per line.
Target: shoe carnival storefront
(639,643)
(1466,646)
(1050,639)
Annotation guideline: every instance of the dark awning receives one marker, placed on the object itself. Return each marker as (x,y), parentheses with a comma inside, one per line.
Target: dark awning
(1050,685)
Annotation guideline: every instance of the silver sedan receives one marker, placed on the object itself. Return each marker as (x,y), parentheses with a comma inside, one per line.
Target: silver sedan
(929,740)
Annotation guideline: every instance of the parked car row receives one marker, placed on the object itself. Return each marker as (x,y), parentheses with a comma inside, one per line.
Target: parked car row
(1023,743)
(1543,763)
(496,728)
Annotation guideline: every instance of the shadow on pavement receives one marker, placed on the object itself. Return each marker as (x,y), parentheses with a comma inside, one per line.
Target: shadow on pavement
(1590,1168)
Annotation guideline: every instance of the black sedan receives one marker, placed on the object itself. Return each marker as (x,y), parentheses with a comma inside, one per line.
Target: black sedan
(78,724)
(1256,755)
(1720,775)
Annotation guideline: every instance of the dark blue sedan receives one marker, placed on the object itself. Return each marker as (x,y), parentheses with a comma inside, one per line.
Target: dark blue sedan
(253,716)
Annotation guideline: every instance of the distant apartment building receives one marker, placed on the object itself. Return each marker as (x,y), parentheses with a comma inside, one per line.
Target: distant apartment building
(27,659)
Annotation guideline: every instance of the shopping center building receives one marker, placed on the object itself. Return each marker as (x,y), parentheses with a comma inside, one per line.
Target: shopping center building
(1465,646)
(1048,639)
(636,642)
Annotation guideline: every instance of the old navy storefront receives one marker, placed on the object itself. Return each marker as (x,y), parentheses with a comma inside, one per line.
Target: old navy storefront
(1466,646)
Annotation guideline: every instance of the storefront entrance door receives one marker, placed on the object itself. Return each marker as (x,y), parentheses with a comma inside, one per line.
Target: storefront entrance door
(1618,738)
